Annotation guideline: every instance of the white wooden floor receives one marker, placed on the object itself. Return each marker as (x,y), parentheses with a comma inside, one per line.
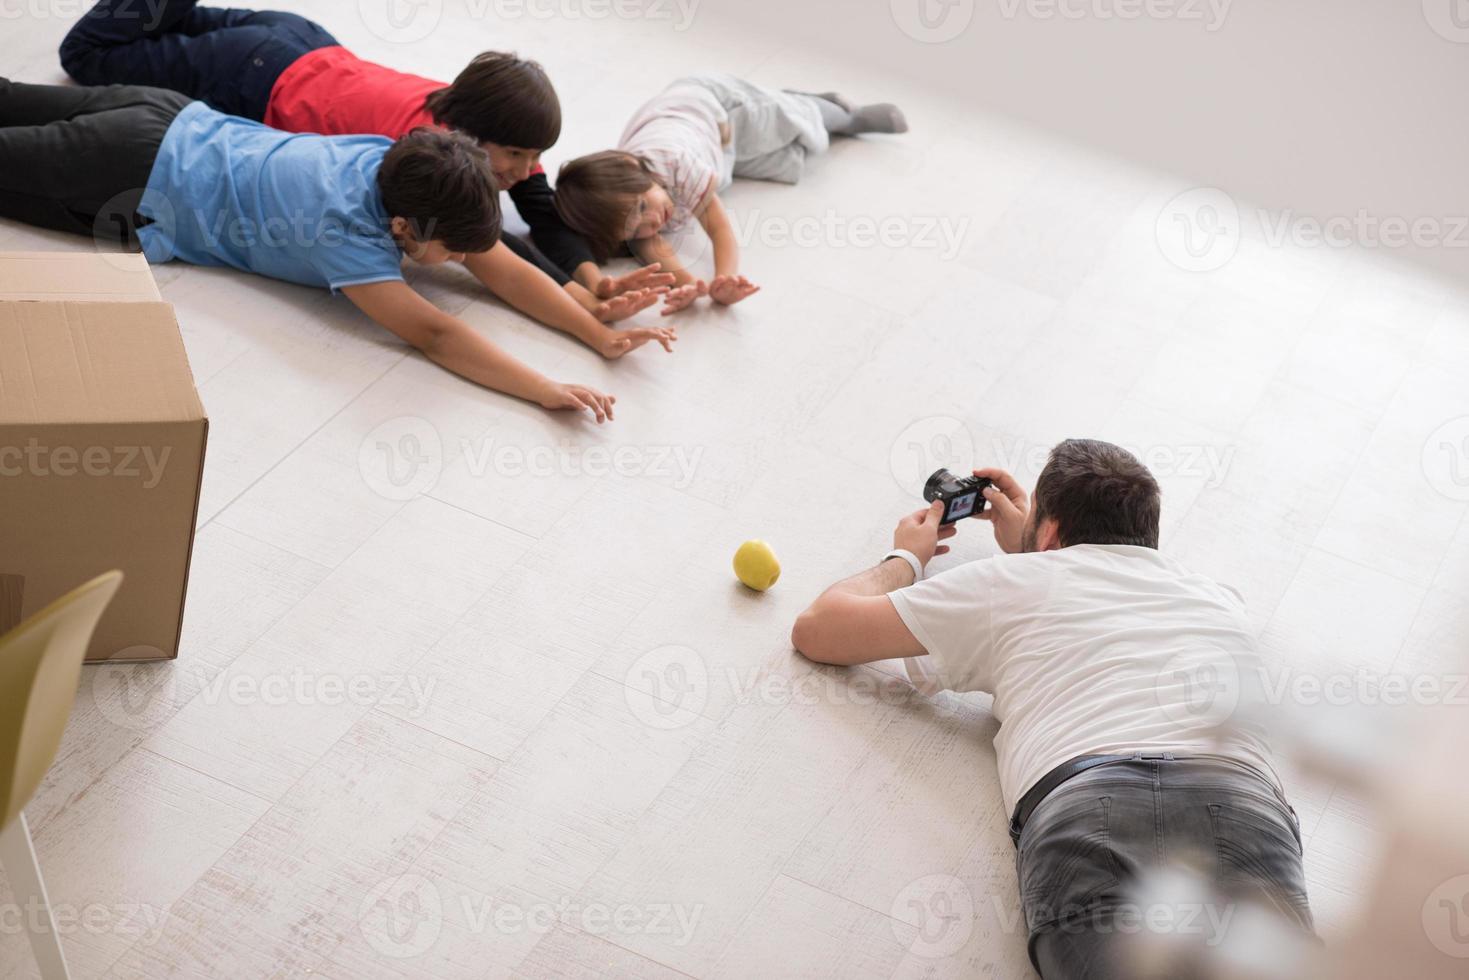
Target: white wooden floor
(449,706)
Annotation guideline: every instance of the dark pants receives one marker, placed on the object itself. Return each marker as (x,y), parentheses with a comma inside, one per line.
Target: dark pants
(533,255)
(78,159)
(1088,850)
(227,58)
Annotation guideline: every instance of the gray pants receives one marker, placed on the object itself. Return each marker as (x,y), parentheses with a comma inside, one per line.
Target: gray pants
(1087,851)
(771,131)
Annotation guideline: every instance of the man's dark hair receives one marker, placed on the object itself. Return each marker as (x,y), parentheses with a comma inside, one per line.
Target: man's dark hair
(595,195)
(441,184)
(1097,493)
(499,98)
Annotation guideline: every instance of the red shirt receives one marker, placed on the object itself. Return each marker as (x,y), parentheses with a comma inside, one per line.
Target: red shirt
(333,92)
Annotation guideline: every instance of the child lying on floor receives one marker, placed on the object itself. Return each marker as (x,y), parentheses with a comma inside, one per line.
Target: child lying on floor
(685,146)
(179,180)
(290,73)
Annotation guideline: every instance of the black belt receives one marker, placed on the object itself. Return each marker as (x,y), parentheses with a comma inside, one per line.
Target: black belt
(1051,780)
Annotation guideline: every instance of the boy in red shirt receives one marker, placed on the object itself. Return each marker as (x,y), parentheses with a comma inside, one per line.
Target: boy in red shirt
(288,72)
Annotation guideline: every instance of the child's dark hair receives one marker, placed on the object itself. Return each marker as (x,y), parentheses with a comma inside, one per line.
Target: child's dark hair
(442,185)
(596,193)
(499,98)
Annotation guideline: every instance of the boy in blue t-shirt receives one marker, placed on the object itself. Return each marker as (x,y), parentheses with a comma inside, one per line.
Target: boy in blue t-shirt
(151,168)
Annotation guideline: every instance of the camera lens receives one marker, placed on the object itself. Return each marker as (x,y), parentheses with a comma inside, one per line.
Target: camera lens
(933,489)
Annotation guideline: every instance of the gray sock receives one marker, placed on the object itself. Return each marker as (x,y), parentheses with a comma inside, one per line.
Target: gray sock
(880,117)
(841,117)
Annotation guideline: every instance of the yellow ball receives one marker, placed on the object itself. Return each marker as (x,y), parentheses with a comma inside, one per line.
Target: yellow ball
(756,566)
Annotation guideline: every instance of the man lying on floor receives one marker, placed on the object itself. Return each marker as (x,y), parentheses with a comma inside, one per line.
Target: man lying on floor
(152,169)
(1091,642)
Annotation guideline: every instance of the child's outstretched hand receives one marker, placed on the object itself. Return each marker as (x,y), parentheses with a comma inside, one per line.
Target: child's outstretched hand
(648,277)
(619,342)
(624,305)
(727,290)
(680,297)
(578,398)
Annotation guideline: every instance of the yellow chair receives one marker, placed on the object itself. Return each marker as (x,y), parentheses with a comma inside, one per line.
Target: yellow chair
(40,664)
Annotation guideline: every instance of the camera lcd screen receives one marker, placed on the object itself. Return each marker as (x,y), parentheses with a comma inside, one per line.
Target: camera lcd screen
(962,506)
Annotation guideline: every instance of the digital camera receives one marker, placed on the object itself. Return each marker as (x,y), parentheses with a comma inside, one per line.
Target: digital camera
(961,494)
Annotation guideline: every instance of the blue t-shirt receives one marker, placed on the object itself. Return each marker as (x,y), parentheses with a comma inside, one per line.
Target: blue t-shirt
(295,206)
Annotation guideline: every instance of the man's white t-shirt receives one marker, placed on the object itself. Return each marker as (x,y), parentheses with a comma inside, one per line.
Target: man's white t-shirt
(1089,649)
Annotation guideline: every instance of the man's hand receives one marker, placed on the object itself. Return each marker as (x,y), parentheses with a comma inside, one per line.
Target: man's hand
(920,532)
(577,398)
(1008,509)
(680,297)
(728,290)
(619,342)
(649,276)
(626,304)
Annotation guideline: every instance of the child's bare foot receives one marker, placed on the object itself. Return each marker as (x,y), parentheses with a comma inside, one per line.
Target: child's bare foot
(619,342)
(680,297)
(728,290)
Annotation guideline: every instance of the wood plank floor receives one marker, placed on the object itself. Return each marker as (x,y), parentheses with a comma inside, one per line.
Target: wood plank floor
(507,713)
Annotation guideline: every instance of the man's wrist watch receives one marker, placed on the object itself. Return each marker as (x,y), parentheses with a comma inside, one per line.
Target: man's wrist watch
(910,558)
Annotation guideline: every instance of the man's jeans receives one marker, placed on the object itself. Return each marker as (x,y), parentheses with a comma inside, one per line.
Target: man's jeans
(1085,847)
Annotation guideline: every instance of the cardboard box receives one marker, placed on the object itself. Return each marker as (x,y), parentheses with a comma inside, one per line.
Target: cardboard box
(101,443)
